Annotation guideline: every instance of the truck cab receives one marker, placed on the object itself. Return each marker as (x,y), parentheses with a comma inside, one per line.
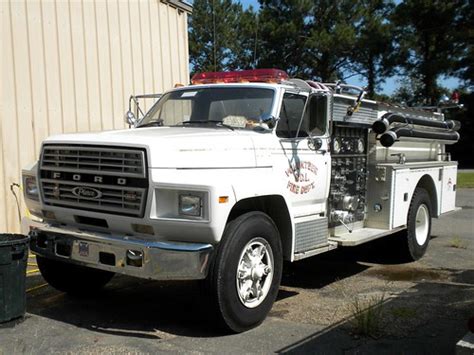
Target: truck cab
(224,179)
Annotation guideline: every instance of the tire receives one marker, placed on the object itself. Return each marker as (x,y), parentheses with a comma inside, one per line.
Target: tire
(240,267)
(418,226)
(72,279)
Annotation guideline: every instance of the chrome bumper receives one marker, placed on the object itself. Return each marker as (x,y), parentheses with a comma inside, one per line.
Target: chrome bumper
(121,254)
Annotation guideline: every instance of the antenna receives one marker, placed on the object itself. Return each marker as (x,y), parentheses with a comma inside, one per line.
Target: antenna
(214,33)
(255,45)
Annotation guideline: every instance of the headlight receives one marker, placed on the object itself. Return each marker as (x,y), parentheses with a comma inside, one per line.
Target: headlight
(30,187)
(190,205)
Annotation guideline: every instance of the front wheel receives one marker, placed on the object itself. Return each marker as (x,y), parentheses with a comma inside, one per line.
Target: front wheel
(246,273)
(418,225)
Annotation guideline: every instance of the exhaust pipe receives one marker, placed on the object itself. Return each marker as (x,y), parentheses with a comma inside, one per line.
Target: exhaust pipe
(382,125)
(390,137)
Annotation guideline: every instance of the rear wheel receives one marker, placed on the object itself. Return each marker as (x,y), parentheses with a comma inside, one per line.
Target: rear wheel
(418,226)
(72,279)
(246,273)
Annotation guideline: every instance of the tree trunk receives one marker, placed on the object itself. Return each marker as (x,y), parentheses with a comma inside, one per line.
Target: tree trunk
(428,72)
(371,77)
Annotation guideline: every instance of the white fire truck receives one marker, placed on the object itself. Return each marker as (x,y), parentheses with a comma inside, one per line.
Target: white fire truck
(224,179)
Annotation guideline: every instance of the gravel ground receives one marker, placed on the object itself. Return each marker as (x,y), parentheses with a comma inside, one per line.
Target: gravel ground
(419,307)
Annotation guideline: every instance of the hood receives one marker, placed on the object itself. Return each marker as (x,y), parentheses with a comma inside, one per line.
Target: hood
(177,147)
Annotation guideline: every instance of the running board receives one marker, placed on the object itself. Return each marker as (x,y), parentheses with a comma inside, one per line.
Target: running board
(313,252)
(361,236)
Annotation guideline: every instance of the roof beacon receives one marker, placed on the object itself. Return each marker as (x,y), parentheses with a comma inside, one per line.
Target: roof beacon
(242,76)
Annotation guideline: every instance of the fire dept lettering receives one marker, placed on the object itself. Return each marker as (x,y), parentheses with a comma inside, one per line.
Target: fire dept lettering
(301,177)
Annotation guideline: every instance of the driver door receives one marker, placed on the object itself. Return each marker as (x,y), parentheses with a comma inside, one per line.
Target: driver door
(304,151)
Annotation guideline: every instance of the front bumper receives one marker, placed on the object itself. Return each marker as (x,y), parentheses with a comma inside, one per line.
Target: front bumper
(121,254)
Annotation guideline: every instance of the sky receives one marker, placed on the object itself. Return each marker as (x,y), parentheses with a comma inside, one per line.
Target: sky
(390,85)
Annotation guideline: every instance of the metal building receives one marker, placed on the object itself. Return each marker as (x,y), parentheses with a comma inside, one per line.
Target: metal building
(70,66)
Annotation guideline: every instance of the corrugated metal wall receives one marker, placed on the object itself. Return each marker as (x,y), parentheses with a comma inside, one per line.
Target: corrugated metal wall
(70,66)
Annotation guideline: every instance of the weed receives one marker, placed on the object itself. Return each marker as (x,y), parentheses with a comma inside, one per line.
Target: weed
(367,315)
(457,242)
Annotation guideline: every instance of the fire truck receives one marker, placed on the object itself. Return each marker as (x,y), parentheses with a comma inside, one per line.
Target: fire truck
(224,179)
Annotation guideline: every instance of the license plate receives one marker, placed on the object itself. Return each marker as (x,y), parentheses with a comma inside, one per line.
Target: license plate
(84,249)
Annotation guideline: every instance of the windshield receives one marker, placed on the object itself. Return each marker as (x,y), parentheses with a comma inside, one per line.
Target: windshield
(245,108)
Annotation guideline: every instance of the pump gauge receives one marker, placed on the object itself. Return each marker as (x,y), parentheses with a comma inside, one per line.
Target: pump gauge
(360,145)
(336,145)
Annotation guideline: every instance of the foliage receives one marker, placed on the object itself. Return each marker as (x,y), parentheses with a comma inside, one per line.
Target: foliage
(462,151)
(376,56)
(310,39)
(283,36)
(333,37)
(464,67)
(212,34)
(330,40)
(465,180)
(247,41)
(428,33)
(409,92)
(457,243)
(367,315)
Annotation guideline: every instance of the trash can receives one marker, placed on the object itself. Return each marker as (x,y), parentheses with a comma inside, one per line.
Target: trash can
(13,262)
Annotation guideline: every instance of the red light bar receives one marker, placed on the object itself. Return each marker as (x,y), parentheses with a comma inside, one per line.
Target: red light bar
(242,76)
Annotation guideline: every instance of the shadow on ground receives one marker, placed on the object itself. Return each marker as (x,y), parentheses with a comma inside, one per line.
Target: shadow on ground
(137,308)
(424,319)
(143,309)
(325,269)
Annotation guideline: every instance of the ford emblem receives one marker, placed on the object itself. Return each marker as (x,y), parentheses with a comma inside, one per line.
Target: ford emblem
(86,192)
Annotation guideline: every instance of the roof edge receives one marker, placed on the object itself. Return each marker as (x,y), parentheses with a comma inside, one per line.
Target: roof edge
(180,5)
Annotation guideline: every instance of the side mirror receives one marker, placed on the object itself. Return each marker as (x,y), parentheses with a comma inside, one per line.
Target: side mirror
(315,143)
(269,120)
(130,118)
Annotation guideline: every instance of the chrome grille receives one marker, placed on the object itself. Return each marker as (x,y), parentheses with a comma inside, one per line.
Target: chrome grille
(117,177)
(106,161)
(113,199)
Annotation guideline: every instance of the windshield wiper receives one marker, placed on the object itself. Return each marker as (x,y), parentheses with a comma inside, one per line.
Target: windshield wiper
(151,124)
(217,123)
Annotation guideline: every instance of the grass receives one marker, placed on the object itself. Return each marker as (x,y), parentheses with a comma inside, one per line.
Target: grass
(367,314)
(465,180)
(458,243)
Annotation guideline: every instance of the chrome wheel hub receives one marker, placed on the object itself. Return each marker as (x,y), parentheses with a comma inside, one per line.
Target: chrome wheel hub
(254,272)
(422,224)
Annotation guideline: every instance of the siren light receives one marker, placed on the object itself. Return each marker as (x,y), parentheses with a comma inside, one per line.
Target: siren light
(242,76)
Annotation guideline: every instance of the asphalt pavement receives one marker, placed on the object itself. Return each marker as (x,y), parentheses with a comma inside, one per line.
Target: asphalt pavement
(424,306)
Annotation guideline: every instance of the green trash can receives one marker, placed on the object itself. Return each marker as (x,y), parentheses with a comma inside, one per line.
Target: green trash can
(13,262)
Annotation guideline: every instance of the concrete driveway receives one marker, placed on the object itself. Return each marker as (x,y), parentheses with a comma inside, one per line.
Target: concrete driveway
(421,307)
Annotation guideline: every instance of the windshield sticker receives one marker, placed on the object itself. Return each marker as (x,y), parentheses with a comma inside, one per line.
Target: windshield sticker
(301,177)
(189,94)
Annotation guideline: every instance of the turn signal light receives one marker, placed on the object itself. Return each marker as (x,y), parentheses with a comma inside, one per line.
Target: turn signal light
(223,199)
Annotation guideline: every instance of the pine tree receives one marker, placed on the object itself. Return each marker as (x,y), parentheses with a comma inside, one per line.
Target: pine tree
(311,39)
(334,27)
(429,34)
(376,55)
(283,34)
(212,34)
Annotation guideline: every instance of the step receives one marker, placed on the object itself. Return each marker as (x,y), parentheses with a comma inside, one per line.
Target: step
(362,235)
